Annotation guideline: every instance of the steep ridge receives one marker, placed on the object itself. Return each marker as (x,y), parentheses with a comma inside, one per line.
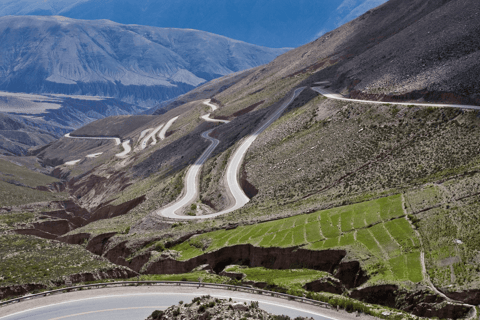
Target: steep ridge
(136,64)
(407,49)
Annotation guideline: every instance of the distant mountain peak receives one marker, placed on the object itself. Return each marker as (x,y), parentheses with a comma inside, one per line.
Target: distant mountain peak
(105,58)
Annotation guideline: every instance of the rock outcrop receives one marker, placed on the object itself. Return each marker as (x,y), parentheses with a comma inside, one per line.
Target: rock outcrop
(421,303)
(206,307)
(272,258)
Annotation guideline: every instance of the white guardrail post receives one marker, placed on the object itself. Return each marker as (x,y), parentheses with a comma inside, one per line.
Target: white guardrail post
(177,283)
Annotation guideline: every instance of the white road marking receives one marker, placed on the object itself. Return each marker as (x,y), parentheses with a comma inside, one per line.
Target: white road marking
(254,298)
(108,310)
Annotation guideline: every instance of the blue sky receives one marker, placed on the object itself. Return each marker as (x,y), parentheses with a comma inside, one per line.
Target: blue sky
(272,23)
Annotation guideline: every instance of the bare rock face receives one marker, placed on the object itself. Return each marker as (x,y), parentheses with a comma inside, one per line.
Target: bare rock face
(206,307)
(384,295)
(19,290)
(421,303)
(232,275)
(327,284)
(351,274)
(467,296)
(272,258)
(115,273)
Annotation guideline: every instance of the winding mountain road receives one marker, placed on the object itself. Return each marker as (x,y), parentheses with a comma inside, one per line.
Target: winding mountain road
(117,140)
(162,133)
(233,168)
(125,145)
(329,94)
(151,135)
(207,116)
(125,303)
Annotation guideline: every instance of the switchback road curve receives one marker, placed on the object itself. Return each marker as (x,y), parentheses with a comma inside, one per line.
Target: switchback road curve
(137,303)
(233,168)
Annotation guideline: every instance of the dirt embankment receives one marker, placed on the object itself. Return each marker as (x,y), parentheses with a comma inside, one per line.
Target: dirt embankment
(72,216)
(20,290)
(467,296)
(421,303)
(272,258)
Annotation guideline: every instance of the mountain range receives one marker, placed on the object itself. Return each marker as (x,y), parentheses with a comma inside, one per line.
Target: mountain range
(290,23)
(136,64)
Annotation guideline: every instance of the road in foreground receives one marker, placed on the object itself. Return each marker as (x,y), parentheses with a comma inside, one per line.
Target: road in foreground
(233,168)
(136,303)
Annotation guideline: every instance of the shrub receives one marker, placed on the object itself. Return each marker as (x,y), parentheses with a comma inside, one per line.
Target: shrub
(160,246)
(157,314)
(176,312)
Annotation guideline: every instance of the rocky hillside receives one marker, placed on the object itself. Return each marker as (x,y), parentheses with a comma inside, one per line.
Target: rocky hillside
(206,307)
(136,64)
(406,49)
(409,50)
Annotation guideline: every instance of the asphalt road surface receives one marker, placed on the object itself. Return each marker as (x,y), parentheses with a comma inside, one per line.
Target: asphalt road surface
(327,93)
(162,133)
(125,145)
(117,140)
(233,168)
(207,116)
(138,306)
(190,181)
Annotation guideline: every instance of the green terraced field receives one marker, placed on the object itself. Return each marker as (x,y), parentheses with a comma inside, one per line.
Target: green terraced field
(283,278)
(375,231)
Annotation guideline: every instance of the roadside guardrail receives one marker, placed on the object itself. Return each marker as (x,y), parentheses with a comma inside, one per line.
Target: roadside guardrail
(169,283)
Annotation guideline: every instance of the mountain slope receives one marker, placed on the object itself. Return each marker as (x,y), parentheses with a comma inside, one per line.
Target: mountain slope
(405,49)
(291,24)
(383,197)
(40,119)
(140,65)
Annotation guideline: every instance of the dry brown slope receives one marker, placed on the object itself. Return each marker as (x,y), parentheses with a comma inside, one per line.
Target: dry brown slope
(397,48)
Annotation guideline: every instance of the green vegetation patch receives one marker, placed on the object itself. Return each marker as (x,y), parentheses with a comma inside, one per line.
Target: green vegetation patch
(451,241)
(20,174)
(8,221)
(27,259)
(283,278)
(381,237)
(12,195)
(195,276)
